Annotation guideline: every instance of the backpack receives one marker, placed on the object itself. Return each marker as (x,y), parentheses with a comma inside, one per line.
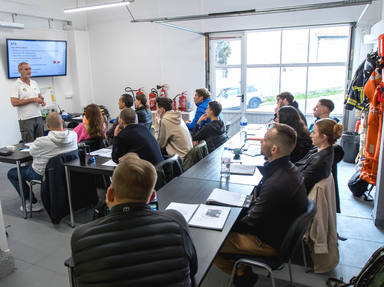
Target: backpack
(357,185)
(100,209)
(372,274)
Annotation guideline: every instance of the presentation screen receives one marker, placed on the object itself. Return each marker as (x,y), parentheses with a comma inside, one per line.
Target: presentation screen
(47,58)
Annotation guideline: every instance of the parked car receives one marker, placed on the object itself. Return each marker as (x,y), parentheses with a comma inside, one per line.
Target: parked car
(230,98)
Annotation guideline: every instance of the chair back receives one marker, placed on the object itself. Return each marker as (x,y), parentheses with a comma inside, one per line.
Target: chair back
(196,154)
(95,143)
(227,125)
(147,124)
(338,154)
(296,232)
(167,170)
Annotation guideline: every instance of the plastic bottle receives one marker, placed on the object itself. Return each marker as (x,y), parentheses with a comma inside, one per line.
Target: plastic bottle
(243,129)
(225,163)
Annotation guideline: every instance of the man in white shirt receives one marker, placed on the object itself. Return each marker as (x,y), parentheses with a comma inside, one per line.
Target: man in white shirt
(26,97)
(43,149)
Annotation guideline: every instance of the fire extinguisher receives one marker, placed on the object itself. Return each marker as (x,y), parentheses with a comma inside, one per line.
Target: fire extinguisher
(140,91)
(152,99)
(358,122)
(162,92)
(174,102)
(183,101)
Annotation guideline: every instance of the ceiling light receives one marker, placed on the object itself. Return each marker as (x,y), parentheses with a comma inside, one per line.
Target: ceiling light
(101,6)
(11,25)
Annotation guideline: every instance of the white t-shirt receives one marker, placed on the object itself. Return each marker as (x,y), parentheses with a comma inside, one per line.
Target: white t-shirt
(22,91)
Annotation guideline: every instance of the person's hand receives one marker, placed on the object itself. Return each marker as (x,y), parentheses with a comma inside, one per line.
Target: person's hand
(157,118)
(43,104)
(117,130)
(120,159)
(195,143)
(187,121)
(38,100)
(277,107)
(204,117)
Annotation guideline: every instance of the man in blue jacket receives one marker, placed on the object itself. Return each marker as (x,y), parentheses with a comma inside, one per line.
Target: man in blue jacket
(202,98)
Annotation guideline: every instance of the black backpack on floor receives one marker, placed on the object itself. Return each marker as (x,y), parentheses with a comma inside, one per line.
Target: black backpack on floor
(357,185)
(372,274)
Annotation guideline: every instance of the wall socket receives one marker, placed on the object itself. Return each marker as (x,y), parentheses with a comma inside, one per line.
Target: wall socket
(68,96)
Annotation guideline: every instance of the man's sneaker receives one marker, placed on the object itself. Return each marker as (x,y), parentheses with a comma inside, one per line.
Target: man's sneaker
(35,206)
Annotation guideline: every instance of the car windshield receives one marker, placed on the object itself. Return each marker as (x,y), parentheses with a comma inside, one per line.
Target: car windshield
(221,94)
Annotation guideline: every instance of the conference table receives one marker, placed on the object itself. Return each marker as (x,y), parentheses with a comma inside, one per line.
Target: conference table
(18,157)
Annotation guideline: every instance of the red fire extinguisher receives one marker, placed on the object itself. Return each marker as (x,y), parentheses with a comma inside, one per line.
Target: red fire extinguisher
(174,102)
(358,122)
(140,91)
(183,101)
(152,99)
(162,92)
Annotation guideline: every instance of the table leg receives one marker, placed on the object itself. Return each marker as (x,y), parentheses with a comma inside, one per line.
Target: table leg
(21,189)
(69,196)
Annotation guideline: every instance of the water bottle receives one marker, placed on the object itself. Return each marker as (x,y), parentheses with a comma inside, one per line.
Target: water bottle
(243,129)
(225,163)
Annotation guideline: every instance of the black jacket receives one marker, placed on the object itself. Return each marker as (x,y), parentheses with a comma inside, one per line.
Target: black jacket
(316,166)
(281,199)
(134,246)
(214,134)
(143,116)
(138,139)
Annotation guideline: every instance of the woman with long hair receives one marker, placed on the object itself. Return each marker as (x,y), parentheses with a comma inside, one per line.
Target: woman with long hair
(94,126)
(290,116)
(144,115)
(317,164)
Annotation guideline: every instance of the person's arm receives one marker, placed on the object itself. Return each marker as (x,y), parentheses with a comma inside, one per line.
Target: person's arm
(163,136)
(201,133)
(80,131)
(18,103)
(314,172)
(199,113)
(117,149)
(36,148)
(111,131)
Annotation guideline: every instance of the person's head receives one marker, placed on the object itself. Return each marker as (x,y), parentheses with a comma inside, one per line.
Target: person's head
(127,117)
(279,141)
(326,132)
(214,109)
(141,100)
(54,122)
(25,70)
(125,101)
(323,108)
(285,98)
(95,120)
(288,115)
(137,187)
(163,105)
(201,95)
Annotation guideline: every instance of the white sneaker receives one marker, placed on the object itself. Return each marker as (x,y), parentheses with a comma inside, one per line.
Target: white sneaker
(35,206)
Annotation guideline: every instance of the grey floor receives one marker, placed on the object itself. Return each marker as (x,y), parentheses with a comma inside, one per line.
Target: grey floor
(39,248)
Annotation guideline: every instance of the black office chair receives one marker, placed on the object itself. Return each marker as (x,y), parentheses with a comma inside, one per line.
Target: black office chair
(95,143)
(227,125)
(292,239)
(167,170)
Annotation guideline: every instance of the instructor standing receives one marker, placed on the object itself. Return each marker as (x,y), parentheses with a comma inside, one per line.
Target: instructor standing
(26,97)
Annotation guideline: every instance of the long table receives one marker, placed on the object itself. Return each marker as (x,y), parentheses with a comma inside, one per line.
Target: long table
(18,157)
(195,191)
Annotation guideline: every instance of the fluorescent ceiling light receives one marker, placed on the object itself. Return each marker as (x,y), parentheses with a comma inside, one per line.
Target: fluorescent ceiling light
(101,6)
(12,25)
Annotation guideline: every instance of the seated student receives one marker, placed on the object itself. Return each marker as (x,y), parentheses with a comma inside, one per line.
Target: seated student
(125,101)
(289,115)
(201,99)
(95,128)
(281,198)
(214,133)
(134,245)
(322,110)
(287,99)
(42,150)
(143,113)
(134,138)
(170,130)
(317,164)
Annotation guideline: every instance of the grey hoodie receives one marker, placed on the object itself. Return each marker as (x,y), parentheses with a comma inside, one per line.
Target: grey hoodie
(55,143)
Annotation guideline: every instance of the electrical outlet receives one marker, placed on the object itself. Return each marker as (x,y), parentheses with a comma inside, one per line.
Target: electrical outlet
(68,96)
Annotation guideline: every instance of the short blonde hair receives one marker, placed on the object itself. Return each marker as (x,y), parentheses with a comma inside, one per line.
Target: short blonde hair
(134,178)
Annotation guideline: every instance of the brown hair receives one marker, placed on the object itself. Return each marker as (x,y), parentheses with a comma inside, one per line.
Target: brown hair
(286,95)
(328,104)
(96,128)
(143,100)
(330,128)
(285,138)
(140,182)
(165,103)
(203,92)
(128,116)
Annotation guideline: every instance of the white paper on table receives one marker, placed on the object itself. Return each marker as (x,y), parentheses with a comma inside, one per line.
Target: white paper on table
(77,118)
(210,216)
(225,197)
(242,169)
(104,152)
(110,163)
(187,210)
(28,144)
(25,150)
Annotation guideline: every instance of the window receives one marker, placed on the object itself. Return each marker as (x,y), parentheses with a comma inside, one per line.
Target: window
(310,63)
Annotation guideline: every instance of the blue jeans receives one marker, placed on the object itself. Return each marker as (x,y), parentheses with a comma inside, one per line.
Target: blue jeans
(27,173)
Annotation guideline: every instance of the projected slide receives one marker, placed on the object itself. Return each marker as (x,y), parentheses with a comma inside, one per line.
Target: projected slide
(46,58)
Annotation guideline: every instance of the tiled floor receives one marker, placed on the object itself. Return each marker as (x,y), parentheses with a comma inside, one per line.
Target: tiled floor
(40,248)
